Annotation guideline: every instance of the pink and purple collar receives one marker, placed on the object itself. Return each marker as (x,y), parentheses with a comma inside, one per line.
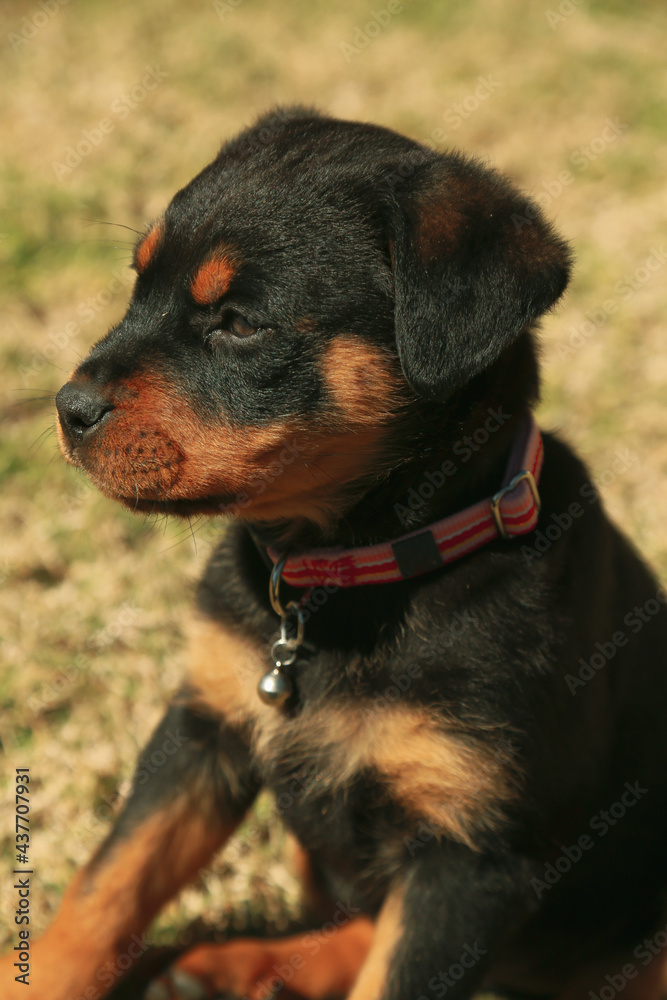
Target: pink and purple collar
(512,511)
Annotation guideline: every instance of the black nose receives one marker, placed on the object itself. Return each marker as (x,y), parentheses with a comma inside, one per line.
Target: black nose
(81,406)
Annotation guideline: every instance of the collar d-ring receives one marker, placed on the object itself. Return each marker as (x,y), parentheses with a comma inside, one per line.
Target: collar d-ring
(274,588)
(292,607)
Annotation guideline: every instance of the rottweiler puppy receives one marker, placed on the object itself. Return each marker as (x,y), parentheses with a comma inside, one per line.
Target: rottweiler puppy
(420,631)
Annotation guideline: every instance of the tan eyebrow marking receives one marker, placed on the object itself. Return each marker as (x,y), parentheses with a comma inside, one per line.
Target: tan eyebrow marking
(212,280)
(148,245)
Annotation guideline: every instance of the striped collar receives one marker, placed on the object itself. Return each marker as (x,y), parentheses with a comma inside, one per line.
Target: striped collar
(513,510)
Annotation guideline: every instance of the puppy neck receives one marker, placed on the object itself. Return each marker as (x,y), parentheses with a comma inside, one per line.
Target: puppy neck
(446,456)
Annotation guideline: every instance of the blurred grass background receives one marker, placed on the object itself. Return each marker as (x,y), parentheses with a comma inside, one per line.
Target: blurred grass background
(569,99)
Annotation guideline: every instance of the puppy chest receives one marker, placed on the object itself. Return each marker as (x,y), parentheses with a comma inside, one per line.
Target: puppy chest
(433,773)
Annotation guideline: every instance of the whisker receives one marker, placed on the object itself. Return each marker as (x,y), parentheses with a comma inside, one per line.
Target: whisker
(40,439)
(194,540)
(19,404)
(310,471)
(47,393)
(184,533)
(332,478)
(121,225)
(110,242)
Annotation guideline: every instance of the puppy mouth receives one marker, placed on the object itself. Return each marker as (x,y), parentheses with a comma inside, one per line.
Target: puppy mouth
(196,506)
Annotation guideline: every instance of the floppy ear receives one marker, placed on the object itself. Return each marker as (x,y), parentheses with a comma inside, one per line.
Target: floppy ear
(474,262)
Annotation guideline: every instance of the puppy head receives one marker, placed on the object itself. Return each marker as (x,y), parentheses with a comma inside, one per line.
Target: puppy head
(295,302)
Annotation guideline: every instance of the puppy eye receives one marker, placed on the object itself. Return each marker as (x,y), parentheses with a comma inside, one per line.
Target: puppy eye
(232,323)
(238,326)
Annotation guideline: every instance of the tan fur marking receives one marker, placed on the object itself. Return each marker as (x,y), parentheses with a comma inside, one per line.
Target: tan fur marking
(315,485)
(457,788)
(364,381)
(649,985)
(225,668)
(439,228)
(319,964)
(148,245)
(212,279)
(367,388)
(388,931)
(445,215)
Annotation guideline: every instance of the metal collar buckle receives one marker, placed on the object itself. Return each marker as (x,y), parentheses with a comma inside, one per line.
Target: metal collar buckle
(524,476)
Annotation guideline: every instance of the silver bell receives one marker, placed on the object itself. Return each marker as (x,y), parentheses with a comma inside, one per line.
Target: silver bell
(275,688)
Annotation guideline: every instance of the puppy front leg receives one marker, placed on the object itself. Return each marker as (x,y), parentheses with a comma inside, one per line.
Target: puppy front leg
(440,924)
(174,820)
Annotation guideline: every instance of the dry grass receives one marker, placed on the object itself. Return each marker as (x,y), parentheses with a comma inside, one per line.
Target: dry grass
(92,599)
